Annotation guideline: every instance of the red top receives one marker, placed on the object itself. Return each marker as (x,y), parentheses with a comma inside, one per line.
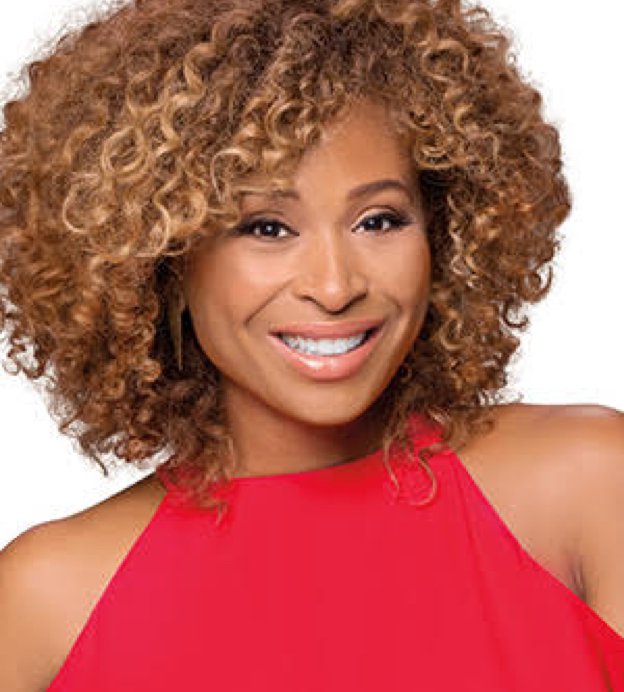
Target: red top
(329,580)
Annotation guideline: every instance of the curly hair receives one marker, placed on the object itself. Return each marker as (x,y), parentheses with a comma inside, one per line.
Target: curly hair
(134,140)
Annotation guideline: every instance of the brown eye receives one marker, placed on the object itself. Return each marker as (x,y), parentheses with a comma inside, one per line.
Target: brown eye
(264,229)
(383,222)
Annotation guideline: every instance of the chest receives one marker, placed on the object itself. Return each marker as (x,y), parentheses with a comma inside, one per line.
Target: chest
(510,490)
(378,598)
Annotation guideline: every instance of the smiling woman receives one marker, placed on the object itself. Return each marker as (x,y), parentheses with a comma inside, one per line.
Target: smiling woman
(274,312)
(290,244)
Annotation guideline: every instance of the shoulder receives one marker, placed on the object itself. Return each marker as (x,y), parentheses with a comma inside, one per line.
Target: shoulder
(52,575)
(579,447)
(586,430)
(583,442)
(574,458)
(593,437)
(586,438)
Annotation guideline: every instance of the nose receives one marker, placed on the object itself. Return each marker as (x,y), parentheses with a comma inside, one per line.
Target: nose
(330,272)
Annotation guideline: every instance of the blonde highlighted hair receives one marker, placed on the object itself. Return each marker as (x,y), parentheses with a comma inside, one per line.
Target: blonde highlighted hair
(134,141)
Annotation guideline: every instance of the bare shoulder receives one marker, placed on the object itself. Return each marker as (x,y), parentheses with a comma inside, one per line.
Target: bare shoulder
(562,426)
(551,438)
(556,475)
(593,439)
(577,441)
(52,575)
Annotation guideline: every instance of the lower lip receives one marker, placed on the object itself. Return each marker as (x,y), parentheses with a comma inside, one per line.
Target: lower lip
(327,367)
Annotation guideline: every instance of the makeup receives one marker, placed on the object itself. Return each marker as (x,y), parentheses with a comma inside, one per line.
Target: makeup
(328,367)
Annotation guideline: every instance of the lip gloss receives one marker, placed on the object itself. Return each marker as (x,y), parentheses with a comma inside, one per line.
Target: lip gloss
(327,368)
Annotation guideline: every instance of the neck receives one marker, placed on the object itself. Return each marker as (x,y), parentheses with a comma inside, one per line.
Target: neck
(266,442)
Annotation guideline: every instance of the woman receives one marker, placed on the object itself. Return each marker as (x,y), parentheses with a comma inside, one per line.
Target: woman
(288,244)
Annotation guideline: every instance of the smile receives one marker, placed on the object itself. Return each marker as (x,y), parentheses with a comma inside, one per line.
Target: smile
(327,359)
(325,347)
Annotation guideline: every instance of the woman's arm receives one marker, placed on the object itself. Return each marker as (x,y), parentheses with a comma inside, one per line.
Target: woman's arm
(598,442)
(29,572)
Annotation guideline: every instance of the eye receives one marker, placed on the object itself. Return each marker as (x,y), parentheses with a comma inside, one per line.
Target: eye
(263,229)
(383,222)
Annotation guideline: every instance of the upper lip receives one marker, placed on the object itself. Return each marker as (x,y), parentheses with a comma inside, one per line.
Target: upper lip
(327,330)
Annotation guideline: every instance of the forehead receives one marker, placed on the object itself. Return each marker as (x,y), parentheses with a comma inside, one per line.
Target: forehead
(361,149)
(366,134)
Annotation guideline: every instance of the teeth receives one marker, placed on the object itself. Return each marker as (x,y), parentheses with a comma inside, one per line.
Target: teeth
(323,347)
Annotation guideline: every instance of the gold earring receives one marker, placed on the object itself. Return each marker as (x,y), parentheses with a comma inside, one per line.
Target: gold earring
(176,305)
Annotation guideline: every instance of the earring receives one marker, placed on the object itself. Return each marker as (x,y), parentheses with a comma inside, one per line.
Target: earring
(175,307)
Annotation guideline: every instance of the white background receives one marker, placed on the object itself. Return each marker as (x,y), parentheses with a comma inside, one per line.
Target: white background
(572,351)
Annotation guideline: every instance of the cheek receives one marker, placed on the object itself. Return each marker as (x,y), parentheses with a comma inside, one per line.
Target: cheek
(210,281)
(412,282)
(223,291)
(210,299)
(407,272)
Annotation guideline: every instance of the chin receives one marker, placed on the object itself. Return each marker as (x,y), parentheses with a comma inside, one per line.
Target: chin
(329,416)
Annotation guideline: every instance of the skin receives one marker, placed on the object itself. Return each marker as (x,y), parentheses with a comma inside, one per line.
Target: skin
(320,264)
(553,474)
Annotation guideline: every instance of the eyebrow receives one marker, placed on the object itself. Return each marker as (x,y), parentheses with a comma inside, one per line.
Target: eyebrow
(356,192)
(378,186)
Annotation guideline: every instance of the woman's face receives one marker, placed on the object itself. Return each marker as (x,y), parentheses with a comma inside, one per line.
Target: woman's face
(346,245)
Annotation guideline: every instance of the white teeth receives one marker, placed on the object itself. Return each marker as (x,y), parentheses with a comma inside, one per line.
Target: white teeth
(323,347)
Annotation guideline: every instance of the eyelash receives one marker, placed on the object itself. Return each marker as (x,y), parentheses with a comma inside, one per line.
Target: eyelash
(396,221)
